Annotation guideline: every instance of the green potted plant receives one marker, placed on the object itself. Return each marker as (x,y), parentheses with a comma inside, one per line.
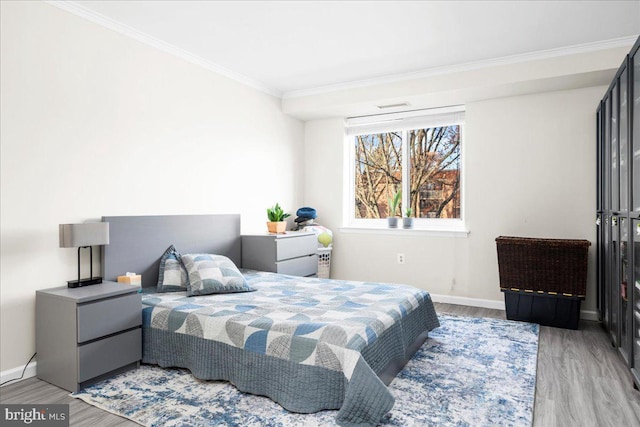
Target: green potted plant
(277,216)
(394,202)
(407,221)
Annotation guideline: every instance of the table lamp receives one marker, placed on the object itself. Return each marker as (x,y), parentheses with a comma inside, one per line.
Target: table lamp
(84,236)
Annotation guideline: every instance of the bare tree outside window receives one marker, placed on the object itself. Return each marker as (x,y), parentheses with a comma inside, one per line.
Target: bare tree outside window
(434,172)
(434,156)
(378,173)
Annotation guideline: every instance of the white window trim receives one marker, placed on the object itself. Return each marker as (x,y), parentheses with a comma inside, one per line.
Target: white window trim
(421,226)
(415,231)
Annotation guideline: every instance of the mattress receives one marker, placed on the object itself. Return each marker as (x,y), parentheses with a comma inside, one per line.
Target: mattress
(307,343)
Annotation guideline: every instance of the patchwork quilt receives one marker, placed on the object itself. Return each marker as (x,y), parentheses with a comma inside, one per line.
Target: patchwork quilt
(307,343)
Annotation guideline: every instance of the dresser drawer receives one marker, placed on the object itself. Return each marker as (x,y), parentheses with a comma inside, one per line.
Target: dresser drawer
(108,316)
(293,247)
(99,357)
(303,266)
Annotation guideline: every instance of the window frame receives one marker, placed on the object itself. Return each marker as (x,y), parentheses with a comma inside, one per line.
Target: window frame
(455,227)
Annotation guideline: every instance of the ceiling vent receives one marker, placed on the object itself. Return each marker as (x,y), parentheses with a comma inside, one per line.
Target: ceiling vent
(401,104)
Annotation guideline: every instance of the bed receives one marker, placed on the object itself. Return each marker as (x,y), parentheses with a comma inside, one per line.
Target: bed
(307,343)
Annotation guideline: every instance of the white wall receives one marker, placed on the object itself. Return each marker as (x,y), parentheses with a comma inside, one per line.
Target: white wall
(95,123)
(530,171)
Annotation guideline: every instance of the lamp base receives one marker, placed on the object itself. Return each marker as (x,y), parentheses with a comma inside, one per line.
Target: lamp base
(84,282)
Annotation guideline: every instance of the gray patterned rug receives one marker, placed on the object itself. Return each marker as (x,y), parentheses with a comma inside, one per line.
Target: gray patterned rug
(470,372)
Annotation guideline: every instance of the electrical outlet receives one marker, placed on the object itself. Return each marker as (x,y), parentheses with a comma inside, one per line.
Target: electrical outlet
(400,258)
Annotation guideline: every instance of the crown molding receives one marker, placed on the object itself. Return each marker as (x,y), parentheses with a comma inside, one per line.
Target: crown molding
(506,60)
(104,21)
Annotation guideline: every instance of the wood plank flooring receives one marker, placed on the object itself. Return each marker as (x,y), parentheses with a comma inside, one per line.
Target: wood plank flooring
(581,381)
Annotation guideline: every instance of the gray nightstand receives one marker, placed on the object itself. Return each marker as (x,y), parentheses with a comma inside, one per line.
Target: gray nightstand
(84,335)
(293,253)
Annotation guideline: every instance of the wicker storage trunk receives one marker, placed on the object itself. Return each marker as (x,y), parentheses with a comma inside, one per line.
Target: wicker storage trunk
(544,280)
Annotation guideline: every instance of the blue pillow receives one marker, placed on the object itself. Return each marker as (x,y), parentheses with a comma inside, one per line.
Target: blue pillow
(172,276)
(213,274)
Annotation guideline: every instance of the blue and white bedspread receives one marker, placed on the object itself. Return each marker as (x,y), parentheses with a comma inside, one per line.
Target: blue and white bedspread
(309,344)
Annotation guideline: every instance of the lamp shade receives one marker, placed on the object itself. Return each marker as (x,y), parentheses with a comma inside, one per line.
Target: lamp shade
(87,234)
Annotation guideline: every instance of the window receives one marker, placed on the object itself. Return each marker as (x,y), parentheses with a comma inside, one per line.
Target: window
(417,153)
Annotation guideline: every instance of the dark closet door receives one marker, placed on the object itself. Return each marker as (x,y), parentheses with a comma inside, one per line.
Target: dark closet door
(634,206)
(635,134)
(635,277)
(600,295)
(606,210)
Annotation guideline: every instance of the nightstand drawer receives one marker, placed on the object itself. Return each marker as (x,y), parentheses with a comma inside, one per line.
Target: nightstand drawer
(294,247)
(293,253)
(108,316)
(303,266)
(102,356)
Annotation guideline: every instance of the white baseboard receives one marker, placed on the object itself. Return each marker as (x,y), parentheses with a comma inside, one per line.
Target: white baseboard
(472,302)
(589,315)
(10,374)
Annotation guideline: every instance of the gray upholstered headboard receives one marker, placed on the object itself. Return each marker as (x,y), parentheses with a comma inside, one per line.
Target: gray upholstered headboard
(136,243)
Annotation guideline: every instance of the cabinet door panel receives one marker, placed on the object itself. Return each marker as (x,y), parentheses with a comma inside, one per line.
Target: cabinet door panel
(599,153)
(599,271)
(606,150)
(624,290)
(635,145)
(614,288)
(606,270)
(635,277)
(624,143)
(614,160)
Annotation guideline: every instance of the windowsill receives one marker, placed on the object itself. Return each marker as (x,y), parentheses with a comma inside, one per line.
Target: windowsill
(415,231)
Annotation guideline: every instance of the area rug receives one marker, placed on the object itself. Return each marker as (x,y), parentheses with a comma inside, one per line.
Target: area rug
(470,372)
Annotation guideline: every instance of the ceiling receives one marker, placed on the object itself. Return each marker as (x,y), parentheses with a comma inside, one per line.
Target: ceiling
(288,48)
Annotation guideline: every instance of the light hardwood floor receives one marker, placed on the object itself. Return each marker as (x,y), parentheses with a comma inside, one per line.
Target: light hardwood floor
(581,381)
